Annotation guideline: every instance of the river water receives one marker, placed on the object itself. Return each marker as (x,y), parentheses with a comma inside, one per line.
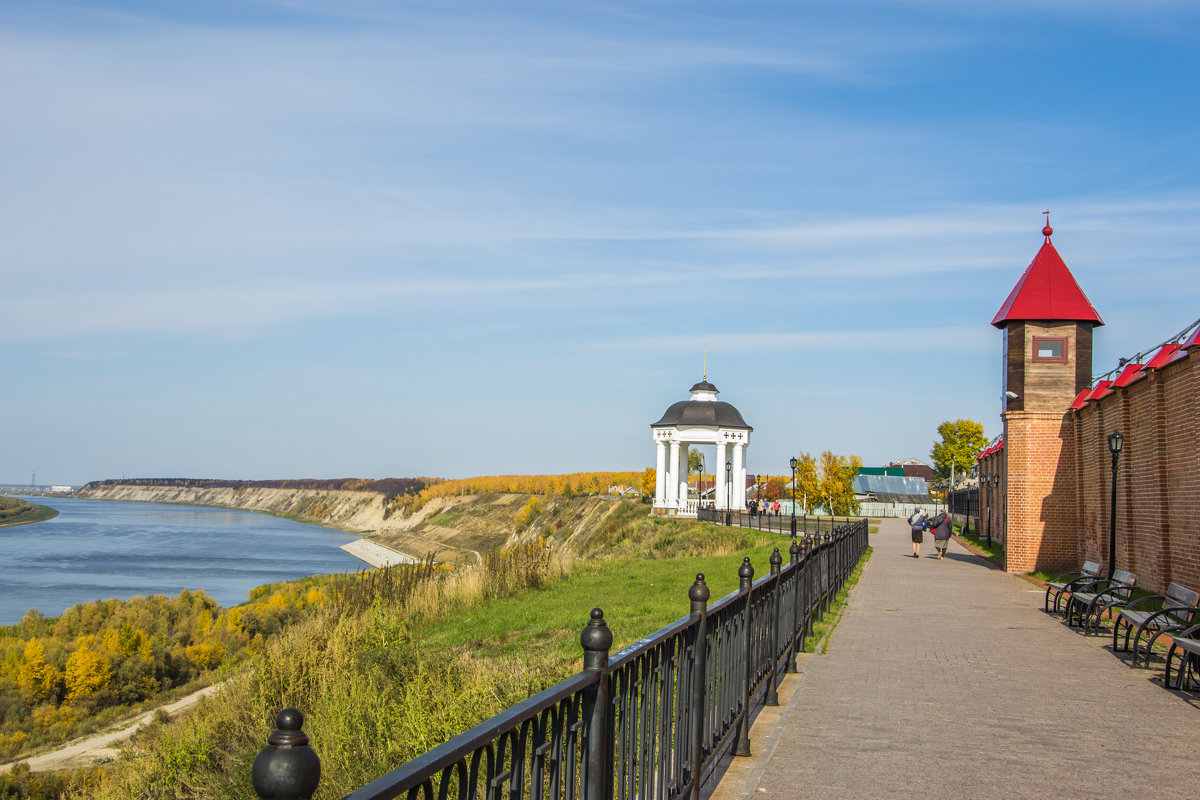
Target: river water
(97,549)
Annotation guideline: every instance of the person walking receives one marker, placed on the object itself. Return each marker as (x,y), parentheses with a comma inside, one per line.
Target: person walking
(916,521)
(942,529)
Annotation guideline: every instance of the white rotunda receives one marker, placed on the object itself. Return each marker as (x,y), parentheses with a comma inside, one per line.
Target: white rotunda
(702,420)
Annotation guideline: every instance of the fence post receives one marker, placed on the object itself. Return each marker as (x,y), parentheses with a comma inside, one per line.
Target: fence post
(745,582)
(797,640)
(698,595)
(772,698)
(286,768)
(596,640)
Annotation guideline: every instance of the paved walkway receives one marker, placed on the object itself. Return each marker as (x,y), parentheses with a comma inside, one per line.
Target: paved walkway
(944,679)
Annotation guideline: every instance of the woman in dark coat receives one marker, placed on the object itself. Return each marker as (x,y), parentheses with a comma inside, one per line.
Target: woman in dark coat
(941,533)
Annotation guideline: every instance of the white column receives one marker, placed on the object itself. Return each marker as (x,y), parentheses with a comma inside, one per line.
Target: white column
(720,474)
(739,476)
(660,466)
(673,483)
(682,475)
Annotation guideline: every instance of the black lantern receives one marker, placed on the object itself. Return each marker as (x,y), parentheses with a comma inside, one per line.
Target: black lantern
(1115,442)
(793,462)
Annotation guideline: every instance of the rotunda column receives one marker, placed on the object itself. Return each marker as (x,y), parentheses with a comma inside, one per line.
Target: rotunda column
(739,476)
(673,476)
(681,476)
(660,467)
(720,473)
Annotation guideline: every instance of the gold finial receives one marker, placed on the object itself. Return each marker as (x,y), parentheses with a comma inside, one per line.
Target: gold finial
(705,373)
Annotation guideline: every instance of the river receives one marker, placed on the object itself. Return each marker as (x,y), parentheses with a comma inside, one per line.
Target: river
(96,549)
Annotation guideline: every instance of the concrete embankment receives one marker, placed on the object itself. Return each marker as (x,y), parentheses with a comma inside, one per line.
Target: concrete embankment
(376,554)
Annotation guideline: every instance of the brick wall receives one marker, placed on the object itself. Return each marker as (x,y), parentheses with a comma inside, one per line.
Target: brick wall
(1158,476)
(1058,474)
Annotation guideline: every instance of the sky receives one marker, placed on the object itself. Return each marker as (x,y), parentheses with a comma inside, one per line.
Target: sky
(287,239)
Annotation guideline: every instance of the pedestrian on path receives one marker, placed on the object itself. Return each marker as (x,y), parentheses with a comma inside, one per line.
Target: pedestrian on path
(941,533)
(916,521)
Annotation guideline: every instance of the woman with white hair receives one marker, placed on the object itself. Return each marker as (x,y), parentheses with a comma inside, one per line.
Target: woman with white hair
(917,523)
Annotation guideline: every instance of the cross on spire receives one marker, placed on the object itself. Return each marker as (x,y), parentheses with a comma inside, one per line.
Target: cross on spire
(1046,231)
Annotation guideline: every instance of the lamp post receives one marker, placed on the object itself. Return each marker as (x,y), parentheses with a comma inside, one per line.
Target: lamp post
(988,482)
(1115,441)
(728,492)
(700,486)
(793,463)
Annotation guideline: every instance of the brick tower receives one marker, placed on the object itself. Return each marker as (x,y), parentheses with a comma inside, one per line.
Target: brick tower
(1047,323)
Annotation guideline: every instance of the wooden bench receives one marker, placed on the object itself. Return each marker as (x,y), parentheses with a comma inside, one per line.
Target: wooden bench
(1178,611)
(1090,572)
(1189,659)
(1085,598)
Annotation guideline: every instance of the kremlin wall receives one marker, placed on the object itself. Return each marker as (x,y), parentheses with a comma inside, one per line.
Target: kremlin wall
(1051,504)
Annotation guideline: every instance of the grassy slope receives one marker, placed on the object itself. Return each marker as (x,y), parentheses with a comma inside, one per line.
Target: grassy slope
(19,512)
(384,685)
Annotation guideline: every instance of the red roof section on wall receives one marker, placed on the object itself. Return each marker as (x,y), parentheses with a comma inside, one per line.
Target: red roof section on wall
(1047,291)
(1131,373)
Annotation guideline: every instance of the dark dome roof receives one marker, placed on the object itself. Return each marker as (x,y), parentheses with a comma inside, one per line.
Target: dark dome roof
(704,386)
(702,412)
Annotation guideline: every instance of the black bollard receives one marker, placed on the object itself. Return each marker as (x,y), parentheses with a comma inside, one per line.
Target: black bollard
(698,594)
(745,582)
(596,640)
(287,768)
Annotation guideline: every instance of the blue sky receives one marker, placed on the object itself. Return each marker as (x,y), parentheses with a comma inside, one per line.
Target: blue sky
(318,239)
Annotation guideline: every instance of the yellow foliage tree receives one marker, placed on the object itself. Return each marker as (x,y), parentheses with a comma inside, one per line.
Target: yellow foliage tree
(205,654)
(528,512)
(649,481)
(808,482)
(35,676)
(88,671)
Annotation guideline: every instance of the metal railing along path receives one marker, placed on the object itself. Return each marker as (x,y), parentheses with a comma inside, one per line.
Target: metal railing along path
(650,722)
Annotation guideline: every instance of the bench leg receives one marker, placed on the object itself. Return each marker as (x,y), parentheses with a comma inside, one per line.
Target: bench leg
(1167,669)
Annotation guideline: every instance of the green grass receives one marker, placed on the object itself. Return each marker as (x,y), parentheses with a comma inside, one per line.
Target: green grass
(444,520)
(994,551)
(638,596)
(18,512)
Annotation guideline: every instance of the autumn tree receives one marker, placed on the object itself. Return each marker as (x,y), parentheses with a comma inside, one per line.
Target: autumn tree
(837,482)
(808,482)
(35,676)
(955,454)
(649,478)
(88,671)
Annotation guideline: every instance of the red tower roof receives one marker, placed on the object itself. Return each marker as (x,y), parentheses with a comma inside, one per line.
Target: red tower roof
(1047,291)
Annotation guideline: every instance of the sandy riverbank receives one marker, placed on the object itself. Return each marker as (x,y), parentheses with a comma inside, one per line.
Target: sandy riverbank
(376,554)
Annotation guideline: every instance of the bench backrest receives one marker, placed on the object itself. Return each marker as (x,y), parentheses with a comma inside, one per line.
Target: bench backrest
(1180,597)
(1122,577)
(1091,568)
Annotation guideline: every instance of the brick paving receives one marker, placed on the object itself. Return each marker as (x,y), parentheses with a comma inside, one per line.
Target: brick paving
(944,679)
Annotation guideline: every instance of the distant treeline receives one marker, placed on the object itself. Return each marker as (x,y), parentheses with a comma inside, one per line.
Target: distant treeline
(389,487)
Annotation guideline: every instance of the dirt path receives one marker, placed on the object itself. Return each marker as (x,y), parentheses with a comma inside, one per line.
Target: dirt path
(100,747)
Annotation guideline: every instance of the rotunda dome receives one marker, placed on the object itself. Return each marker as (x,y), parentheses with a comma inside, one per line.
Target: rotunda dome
(703,410)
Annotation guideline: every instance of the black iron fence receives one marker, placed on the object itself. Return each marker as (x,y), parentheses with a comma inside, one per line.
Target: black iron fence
(651,721)
(776,523)
(964,502)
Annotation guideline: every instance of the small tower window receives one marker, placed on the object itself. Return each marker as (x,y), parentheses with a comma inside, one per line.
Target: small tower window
(1049,348)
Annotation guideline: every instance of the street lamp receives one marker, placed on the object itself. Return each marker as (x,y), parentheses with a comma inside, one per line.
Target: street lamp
(793,463)
(987,479)
(728,492)
(1115,442)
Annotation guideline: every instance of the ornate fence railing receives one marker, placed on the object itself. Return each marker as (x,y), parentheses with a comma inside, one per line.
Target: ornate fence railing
(777,523)
(651,722)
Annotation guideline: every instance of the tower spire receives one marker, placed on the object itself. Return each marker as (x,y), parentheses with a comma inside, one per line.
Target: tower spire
(705,372)
(1046,231)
